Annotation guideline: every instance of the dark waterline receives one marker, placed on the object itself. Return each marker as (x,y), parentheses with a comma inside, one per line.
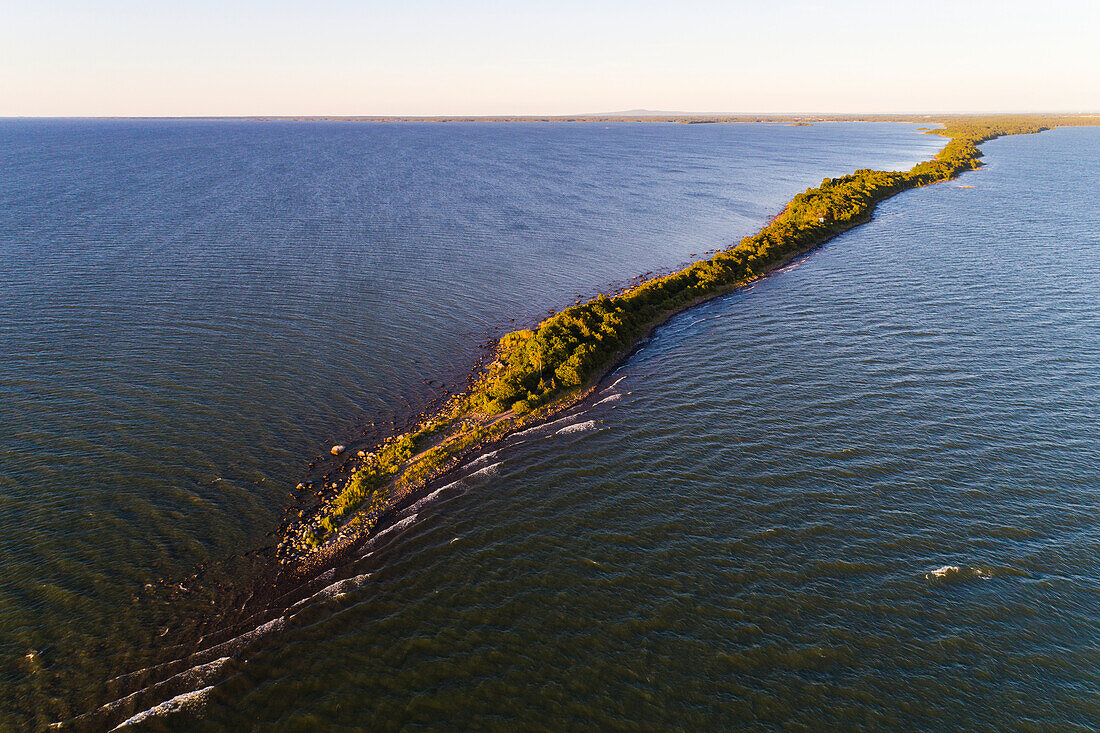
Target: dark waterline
(191,310)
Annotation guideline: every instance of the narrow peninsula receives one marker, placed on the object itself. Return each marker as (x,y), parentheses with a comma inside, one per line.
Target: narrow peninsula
(539,372)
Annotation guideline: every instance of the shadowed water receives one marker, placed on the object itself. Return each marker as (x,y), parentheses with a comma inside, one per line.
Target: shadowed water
(191,311)
(859,494)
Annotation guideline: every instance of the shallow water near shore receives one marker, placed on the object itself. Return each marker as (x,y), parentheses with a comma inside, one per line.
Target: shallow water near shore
(857,491)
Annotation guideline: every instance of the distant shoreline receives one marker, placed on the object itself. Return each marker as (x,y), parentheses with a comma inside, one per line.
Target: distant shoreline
(1069,118)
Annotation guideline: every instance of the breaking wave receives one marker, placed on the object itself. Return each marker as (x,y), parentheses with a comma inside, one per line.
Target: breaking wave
(546,425)
(490,470)
(420,503)
(612,386)
(193,701)
(481,459)
(581,427)
(395,527)
(335,590)
(954,572)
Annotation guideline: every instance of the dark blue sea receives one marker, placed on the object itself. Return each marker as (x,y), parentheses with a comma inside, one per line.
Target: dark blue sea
(860,494)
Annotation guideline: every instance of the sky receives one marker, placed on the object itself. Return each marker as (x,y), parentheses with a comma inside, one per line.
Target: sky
(427,57)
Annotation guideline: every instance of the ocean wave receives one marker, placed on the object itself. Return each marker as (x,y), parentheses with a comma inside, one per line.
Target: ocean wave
(419,503)
(611,398)
(481,459)
(190,701)
(955,572)
(581,427)
(547,425)
(240,642)
(334,590)
(612,386)
(794,265)
(395,527)
(489,470)
(198,675)
(704,320)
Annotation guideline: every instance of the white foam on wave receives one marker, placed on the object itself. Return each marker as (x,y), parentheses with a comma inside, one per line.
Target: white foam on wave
(581,427)
(395,527)
(324,577)
(954,571)
(197,675)
(481,459)
(335,590)
(419,503)
(240,642)
(489,470)
(611,398)
(194,700)
(794,265)
(547,425)
(613,384)
(200,672)
(233,645)
(189,701)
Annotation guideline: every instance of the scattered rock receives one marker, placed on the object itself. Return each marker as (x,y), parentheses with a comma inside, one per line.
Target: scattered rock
(362,454)
(338,449)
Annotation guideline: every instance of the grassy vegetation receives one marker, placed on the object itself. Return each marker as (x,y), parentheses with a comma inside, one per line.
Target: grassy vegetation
(538,371)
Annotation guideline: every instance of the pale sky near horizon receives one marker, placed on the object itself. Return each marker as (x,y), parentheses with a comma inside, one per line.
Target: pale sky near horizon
(427,57)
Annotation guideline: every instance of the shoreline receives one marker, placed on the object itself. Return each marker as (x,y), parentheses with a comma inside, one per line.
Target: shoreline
(336,555)
(294,582)
(534,375)
(335,562)
(289,581)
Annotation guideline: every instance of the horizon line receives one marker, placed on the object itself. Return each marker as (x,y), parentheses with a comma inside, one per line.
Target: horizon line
(639,115)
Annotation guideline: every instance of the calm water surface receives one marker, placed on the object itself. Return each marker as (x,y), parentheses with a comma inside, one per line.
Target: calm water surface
(760,523)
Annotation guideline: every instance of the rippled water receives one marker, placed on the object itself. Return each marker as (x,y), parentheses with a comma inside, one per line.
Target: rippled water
(191,311)
(860,493)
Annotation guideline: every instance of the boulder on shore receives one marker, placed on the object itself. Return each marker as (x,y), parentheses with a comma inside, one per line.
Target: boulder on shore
(338,449)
